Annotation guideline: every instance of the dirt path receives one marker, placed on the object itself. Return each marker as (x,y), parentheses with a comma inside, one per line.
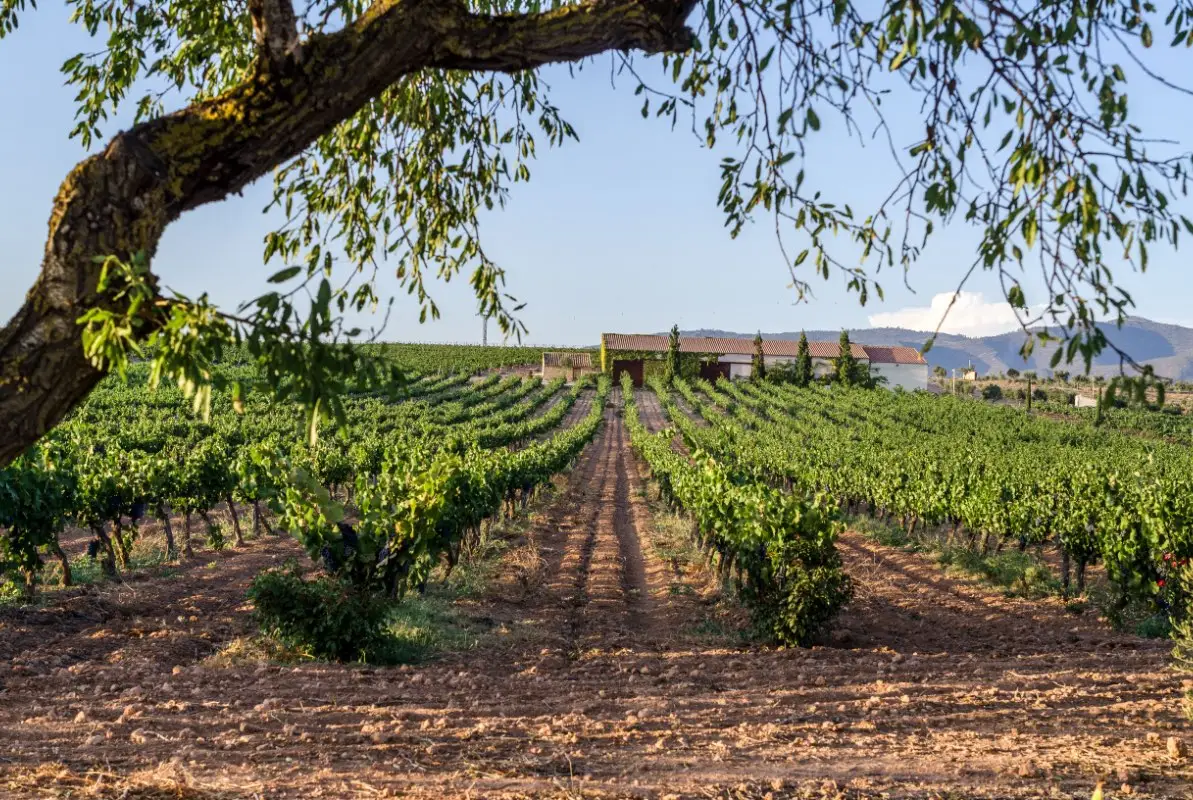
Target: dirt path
(650,411)
(598,683)
(579,409)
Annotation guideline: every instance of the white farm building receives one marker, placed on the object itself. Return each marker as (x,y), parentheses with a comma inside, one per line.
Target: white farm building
(732,358)
(901,366)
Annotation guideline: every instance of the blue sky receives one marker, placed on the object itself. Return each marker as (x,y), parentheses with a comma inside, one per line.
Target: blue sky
(619,232)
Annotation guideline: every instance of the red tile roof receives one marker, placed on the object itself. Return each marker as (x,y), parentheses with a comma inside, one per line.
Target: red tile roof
(722,346)
(894,355)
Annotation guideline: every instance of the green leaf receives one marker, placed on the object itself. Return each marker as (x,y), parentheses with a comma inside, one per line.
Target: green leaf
(1016,298)
(283,275)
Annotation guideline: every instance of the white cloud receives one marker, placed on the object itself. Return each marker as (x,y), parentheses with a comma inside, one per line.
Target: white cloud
(971,315)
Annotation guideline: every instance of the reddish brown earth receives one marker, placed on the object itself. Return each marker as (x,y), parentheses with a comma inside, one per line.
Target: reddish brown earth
(598,679)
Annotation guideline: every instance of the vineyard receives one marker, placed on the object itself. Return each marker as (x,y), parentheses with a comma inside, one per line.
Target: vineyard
(989,476)
(621,593)
(129,455)
(428,358)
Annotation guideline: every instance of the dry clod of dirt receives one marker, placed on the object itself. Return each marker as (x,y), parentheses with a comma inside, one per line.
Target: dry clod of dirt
(1177,748)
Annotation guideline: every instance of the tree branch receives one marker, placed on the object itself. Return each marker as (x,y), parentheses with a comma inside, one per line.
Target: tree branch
(275,29)
(119,202)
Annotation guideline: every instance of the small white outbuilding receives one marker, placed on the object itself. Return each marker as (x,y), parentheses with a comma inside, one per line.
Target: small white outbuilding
(901,366)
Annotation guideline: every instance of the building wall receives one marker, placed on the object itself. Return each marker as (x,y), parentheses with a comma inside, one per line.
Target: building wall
(569,374)
(742,366)
(909,376)
(822,367)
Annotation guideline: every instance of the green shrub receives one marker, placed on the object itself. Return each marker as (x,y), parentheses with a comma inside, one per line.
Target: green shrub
(1157,626)
(1061,397)
(991,392)
(325,617)
(1019,574)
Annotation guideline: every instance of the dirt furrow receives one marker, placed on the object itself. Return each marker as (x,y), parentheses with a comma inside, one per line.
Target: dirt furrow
(649,411)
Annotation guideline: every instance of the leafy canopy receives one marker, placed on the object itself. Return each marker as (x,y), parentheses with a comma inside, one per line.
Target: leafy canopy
(1025,131)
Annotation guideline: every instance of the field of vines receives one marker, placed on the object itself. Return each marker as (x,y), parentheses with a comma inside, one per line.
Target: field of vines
(778,547)
(422,469)
(1165,423)
(424,358)
(983,476)
(695,608)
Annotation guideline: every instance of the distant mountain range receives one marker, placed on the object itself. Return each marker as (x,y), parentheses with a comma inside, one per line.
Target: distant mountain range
(1168,348)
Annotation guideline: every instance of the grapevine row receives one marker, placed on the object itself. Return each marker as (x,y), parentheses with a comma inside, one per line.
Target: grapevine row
(987,476)
(779,548)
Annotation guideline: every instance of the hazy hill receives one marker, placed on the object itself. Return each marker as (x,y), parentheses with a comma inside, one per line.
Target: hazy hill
(1169,348)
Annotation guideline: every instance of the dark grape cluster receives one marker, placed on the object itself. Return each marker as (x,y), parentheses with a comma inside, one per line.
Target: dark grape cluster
(330,562)
(350,539)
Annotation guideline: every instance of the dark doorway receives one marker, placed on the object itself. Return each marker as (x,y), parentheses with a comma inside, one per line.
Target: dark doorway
(632,367)
(714,371)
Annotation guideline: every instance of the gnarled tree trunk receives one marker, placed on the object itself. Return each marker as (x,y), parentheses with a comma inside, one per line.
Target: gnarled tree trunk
(163,513)
(187,550)
(119,202)
(64,562)
(235,522)
(109,555)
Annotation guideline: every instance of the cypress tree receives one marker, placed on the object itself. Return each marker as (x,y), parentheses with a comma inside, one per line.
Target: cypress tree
(671,370)
(846,363)
(803,362)
(758,364)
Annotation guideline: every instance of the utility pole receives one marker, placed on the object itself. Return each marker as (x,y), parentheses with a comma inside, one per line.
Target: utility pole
(485,330)
(954,381)
(1029,394)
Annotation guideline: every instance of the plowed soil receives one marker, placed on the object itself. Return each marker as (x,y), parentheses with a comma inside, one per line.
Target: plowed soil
(600,680)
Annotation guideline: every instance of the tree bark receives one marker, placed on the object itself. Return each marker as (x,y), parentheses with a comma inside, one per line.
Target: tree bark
(109,560)
(121,547)
(275,28)
(119,202)
(28,584)
(235,522)
(1064,572)
(187,550)
(64,562)
(163,513)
